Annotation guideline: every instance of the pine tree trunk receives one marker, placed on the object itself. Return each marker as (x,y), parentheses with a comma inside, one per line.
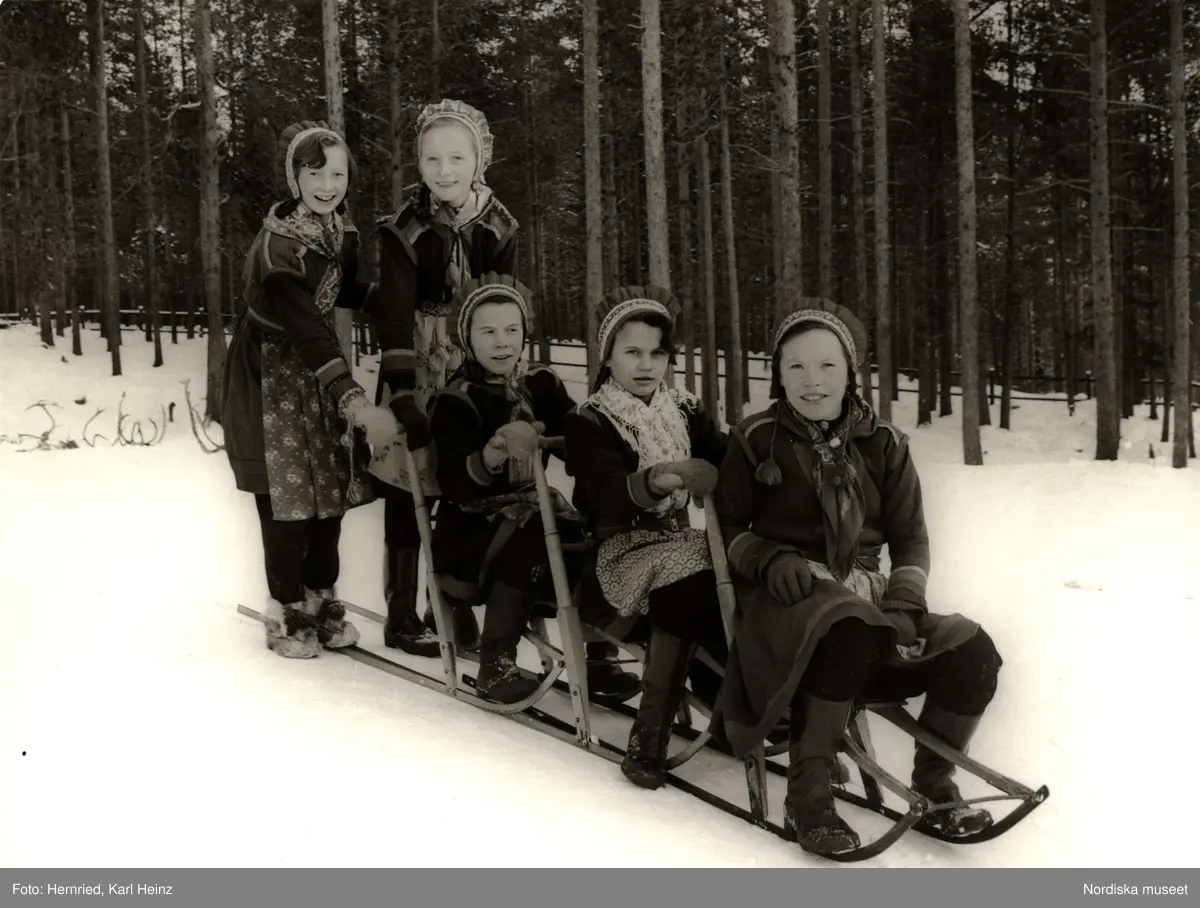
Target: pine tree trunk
(790,283)
(657,227)
(858,196)
(1108,413)
(40,180)
(710,365)
(395,90)
(967,266)
(71,264)
(883,269)
(149,203)
(687,273)
(591,178)
(111,288)
(825,153)
(1180,277)
(210,207)
(435,67)
(343,318)
(734,389)
(926,371)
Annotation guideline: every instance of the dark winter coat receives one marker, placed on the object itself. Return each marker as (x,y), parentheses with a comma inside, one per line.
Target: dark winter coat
(614,495)
(774,641)
(414,252)
(464,417)
(282,276)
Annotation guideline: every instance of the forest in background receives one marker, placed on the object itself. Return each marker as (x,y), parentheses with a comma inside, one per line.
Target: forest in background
(1033,225)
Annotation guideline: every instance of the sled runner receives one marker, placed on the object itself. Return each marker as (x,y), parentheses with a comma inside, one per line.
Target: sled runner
(569,657)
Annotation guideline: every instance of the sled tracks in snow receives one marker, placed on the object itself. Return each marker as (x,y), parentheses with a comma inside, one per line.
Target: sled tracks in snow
(591,712)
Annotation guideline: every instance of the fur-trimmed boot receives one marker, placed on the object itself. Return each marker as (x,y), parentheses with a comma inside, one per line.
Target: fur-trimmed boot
(932,775)
(605,677)
(404,630)
(504,622)
(333,630)
(809,809)
(667,660)
(291,630)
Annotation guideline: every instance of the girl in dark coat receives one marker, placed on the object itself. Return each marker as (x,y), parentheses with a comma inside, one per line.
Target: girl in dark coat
(489,545)
(452,228)
(289,400)
(638,450)
(810,492)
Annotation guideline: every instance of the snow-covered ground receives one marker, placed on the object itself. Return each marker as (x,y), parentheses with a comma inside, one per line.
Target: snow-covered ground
(145,724)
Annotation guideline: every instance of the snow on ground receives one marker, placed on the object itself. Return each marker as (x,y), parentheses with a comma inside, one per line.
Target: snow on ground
(145,724)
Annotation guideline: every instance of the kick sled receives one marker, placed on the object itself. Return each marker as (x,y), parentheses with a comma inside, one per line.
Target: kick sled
(578,720)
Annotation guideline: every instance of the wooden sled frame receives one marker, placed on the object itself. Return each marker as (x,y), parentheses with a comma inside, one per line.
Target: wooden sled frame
(572,659)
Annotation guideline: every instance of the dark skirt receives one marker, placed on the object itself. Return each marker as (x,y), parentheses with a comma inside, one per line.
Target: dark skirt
(775,643)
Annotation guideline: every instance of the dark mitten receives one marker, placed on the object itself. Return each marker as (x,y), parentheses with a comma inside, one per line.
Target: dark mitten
(699,476)
(905,624)
(903,608)
(415,423)
(788,578)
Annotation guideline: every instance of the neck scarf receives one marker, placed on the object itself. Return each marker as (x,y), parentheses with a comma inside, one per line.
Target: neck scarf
(324,238)
(838,484)
(657,430)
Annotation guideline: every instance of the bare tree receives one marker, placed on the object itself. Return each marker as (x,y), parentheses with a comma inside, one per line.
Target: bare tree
(108,242)
(858,196)
(343,319)
(149,204)
(790,282)
(210,206)
(395,89)
(883,267)
(1108,405)
(967,279)
(734,390)
(594,288)
(825,152)
(1180,282)
(656,169)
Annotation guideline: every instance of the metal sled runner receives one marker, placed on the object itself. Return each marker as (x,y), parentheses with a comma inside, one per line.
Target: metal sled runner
(586,712)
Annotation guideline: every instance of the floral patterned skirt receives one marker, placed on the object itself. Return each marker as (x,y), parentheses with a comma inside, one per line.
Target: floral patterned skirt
(630,565)
(314,468)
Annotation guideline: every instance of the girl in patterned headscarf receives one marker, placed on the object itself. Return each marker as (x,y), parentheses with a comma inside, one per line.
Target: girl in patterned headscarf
(810,492)
(638,450)
(289,402)
(452,228)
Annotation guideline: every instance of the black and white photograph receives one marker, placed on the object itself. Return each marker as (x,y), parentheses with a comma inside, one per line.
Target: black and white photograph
(599,434)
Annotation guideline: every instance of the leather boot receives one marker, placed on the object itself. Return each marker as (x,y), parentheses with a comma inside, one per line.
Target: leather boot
(605,678)
(809,810)
(932,775)
(404,630)
(504,621)
(667,660)
(466,627)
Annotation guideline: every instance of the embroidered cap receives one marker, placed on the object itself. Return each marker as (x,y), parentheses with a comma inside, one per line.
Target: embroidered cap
(462,114)
(488,288)
(621,304)
(826,313)
(289,141)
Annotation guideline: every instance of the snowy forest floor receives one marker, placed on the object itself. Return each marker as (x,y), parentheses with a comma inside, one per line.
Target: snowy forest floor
(144,723)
